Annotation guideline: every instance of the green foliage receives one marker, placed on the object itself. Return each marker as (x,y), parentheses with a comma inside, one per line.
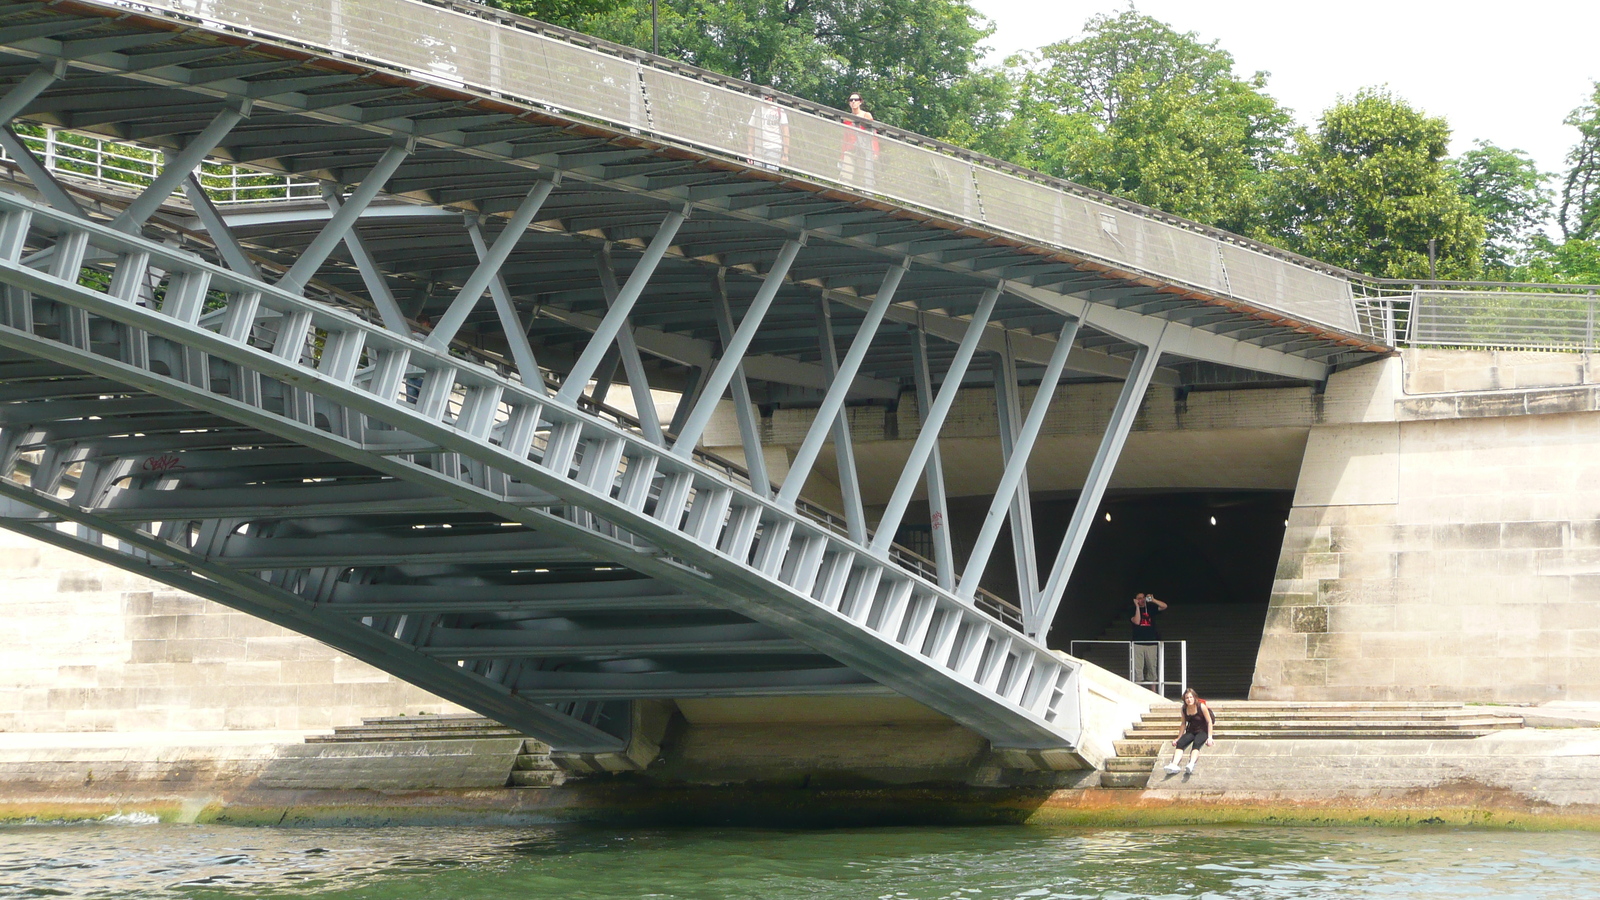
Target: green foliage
(1370,188)
(1580,192)
(914,61)
(1573,261)
(565,13)
(1507,190)
(1137,109)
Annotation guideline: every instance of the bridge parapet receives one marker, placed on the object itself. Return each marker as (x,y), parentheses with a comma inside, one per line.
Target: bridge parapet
(461,46)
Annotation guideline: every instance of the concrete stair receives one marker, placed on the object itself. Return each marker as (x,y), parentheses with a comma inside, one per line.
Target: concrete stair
(531,768)
(1143,745)
(415,728)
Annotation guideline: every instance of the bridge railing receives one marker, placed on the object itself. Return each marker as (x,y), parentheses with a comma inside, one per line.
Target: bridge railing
(1490,315)
(465,45)
(91,158)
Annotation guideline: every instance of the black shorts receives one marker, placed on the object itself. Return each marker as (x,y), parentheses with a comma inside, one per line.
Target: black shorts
(1196,739)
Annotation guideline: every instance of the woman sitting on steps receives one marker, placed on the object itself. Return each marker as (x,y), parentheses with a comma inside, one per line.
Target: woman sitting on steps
(1198,724)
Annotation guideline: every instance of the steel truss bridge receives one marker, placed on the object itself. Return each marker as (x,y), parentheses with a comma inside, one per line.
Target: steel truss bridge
(373,418)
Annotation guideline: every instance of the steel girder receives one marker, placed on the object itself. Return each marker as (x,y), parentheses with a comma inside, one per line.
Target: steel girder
(542,489)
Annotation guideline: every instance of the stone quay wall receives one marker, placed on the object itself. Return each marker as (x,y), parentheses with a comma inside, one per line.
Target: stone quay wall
(1445,537)
(90,648)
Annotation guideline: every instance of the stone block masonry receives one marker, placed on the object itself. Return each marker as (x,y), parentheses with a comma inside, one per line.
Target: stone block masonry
(1444,545)
(90,648)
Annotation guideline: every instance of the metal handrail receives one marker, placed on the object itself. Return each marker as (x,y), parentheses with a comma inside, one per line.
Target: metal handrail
(1161,682)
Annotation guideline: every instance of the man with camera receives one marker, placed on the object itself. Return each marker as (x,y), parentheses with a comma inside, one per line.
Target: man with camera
(1146,638)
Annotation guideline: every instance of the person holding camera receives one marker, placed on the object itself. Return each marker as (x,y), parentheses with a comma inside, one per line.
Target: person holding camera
(1146,640)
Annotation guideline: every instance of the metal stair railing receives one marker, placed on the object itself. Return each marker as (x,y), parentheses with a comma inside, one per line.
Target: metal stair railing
(357,391)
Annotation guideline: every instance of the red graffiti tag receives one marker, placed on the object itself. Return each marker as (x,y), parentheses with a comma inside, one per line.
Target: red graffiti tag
(161,463)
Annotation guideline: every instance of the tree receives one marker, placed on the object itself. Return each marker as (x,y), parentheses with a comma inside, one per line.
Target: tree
(1369,189)
(1573,261)
(915,61)
(1507,190)
(1134,108)
(1580,191)
(565,13)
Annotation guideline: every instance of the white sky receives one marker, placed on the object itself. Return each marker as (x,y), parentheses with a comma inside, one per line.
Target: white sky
(1503,72)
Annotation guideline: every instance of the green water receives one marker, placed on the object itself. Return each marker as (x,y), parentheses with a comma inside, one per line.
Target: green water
(1036,863)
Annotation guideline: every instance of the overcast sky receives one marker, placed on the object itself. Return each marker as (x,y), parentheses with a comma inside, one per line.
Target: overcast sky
(1506,73)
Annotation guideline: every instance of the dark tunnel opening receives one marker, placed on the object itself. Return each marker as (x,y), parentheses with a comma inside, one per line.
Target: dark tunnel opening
(1210,555)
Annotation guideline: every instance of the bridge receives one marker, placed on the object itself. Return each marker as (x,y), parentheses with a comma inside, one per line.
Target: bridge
(339,355)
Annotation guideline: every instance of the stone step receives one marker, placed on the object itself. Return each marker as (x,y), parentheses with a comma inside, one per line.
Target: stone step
(1332,734)
(409,734)
(530,761)
(1130,764)
(535,778)
(1136,780)
(1337,723)
(1144,748)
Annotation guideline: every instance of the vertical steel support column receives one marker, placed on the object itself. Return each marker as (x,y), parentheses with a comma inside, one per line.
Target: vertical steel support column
(1012,478)
(855,516)
(372,276)
(632,362)
(178,167)
(606,333)
(1037,622)
(210,217)
(444,331)
(749,433)
(734,352)
(924,459)
(1008,394)
(316,253)
(511,323)
(833,400)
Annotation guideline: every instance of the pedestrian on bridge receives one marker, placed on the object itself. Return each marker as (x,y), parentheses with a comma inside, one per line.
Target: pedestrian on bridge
(1147,640)
(860,154)
(1198,726)
(768,143)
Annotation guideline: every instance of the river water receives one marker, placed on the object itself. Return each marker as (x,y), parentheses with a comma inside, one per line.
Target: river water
(980,863)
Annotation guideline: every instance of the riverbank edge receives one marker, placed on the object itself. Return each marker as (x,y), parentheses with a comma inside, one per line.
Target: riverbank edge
(632,805)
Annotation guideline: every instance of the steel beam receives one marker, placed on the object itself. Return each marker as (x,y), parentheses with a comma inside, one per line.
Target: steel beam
(344,219)
(605,335)
(179,167)
(1008,397)
(734,351)
(632,363)
(389,311)
(755,461)
(1037,621)
(1015,471)
(832,402)
(855,516)
(228,246)
(444,330)
(44,181)
(923,461)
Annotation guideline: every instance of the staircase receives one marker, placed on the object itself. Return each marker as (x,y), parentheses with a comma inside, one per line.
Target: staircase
(531,768)
(1223,641)
(1143,745)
